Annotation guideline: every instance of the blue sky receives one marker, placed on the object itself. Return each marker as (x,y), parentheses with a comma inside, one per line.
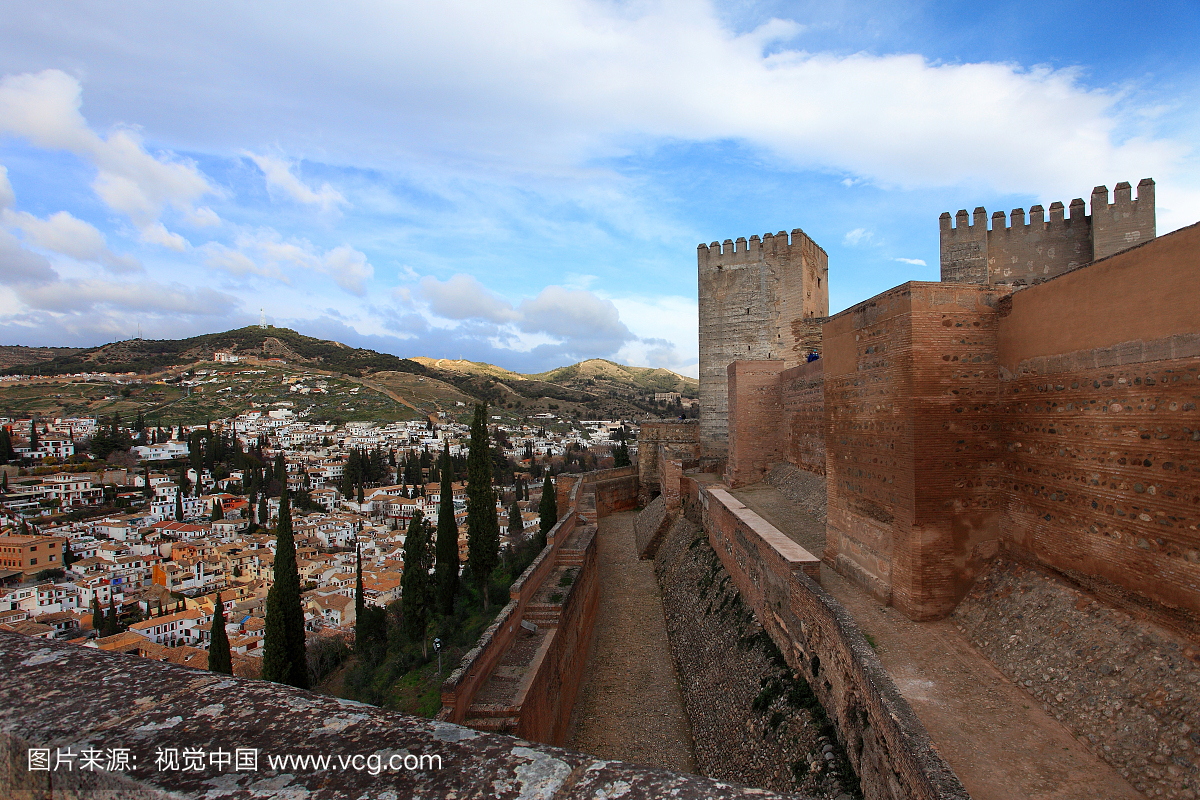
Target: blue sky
(526,182)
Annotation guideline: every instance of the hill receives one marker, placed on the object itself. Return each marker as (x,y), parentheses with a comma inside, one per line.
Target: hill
(590,389)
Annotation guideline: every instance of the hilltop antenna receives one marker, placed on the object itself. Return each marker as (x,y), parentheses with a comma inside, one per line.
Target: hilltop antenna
(262,318)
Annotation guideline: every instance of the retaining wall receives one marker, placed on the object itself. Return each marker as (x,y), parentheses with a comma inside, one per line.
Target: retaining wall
(887,745)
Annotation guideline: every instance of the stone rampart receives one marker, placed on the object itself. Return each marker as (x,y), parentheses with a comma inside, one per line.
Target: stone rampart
(545,708)
(459,690)
(1016,253)
(802,407)
(910,386)
(661,439)
(754,420)
(751,293)
(543,702)
(95,699)
(650,525)
(886,744)
(1100,421)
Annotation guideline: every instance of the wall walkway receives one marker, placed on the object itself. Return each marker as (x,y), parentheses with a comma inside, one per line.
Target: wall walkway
(630,707)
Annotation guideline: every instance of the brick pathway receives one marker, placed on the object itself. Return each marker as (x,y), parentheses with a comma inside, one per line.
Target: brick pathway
(629,707)
(995,736)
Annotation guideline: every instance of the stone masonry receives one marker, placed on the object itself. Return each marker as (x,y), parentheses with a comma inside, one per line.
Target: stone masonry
(1020,254)
(759,299)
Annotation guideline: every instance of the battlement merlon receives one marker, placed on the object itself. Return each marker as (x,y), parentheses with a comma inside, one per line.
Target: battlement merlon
(754,250)
(1123,196)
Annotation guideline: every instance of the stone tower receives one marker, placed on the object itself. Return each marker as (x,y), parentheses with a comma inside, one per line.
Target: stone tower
(759,299)
(1014,253)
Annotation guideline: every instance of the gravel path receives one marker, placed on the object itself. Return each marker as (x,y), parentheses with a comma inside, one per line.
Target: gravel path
(629,707)
(996,737)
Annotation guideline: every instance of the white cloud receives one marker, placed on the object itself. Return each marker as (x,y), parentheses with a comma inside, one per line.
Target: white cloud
(463,297)
(376,83)
(7,198)
(203,217)
(266,253)
(44,109)
(856,237)
(19,266)
(278,173)
(63,233)
(918,262)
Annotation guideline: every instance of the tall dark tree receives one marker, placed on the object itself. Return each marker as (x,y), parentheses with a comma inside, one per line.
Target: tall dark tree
(516,529)
(621,455)
(264,513)
(548,507)
(217,516)
(33,436)
(414,583)
(112,626)
(360,603)
(4,483)
(446,560)
(97,615)
(219,657)
(483,529)
(252,509)
(179,505)
(284,657)
(6,449)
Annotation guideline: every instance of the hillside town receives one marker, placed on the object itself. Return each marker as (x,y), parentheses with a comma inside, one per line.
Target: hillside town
(124,537)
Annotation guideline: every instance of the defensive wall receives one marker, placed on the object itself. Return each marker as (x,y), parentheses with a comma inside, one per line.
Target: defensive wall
(888,747)
(1016,253)
(758,299)
(661,443)
(523,675)
(1058,422)
(113,701)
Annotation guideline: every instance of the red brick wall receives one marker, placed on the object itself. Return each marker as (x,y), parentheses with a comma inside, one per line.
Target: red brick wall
(1102,433)
(911,382)
(802,404)
(755,421)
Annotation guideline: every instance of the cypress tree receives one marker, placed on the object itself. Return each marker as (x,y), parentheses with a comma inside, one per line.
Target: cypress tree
(447,541)
(264,513)
(111,626)
(414,584)
(252,509)
(179,505)
(360,604)
(548,507)
(284,657)
(217,516)
(483,530)
(219,657)
(516,529)
(97,614)
(4,485)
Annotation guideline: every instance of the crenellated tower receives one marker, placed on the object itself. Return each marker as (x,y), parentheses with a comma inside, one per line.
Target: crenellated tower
(759,299)
(1019,253)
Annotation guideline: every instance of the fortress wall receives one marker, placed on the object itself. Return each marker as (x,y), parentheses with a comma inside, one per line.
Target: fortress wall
(887,745)
(750,294)
(756,436)
(911,382)
(584,498)
(802,403)
(869,437)
(458,690)
(1020,253)
(547,705)
(1101,389)
(1125,222)
(651,437)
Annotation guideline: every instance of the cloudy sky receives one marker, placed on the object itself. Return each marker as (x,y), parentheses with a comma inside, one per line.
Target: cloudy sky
(526,182)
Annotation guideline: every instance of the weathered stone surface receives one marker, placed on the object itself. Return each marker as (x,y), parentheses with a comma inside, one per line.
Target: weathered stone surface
(649,526)
(755,299)
(118,701)
(1128,690)
(724,663)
